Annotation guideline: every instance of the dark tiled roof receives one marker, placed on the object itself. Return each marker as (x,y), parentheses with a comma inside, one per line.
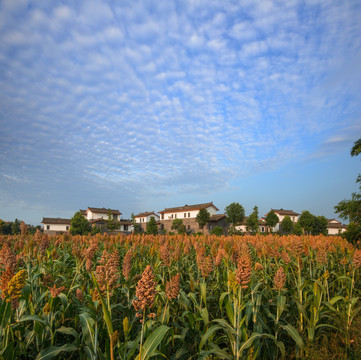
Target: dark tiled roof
(103,211)
(188,208)
(56,221)
(105,221)
(217,217)
(98,221)
(336,226)
(285,212)
(334,221)
(125,222)
(145,214)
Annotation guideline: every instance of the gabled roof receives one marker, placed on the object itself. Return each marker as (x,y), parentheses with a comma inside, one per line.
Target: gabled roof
(125,222)
(56,221)
(188,208)
(145,214)
(216,217)
(103,211)
(285,212)
(333,221)
(336,226)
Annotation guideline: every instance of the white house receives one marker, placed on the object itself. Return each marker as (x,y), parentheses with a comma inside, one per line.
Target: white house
(261,226)
(188,214)
(187,211)
(335,227)
(144,217)
(281,213)
(55,226)
(92,214)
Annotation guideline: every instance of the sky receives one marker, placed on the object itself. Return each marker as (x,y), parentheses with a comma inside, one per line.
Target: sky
(142,105)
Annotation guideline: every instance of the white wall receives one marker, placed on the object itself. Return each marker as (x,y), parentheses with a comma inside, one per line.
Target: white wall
(144,219)
(188,214)
(93,216)
(56,227)
(294,218)
(130,228)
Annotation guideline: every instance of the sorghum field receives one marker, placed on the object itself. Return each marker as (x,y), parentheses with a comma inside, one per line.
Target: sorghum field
(179,297)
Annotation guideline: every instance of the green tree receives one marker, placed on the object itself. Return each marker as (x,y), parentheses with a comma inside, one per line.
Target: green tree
(272,219)
(356,149)
(79,225)
(286,225)
(234,215)
(15,227)
(112,223)
(217,230)
(152,228)
(353,233)
(307,220)
(252,221)
(137,228)
(132,217)
(203,217)
(178,225)
(6,228)
(320,225)
(351,209)
(297,229)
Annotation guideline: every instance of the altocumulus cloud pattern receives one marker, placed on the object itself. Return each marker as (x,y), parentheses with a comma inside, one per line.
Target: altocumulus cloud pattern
(141,99)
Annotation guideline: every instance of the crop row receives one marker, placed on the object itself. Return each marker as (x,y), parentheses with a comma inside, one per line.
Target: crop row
(178,297)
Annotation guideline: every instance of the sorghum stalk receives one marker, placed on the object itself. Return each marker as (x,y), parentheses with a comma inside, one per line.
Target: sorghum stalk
(349,313)
(300,292)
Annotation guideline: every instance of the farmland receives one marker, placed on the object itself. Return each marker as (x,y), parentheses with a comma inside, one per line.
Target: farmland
(179,297)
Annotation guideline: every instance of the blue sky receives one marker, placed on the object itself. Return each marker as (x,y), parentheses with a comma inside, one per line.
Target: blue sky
(142,105)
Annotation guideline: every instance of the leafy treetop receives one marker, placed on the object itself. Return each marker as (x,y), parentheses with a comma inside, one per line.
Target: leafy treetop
(203,217)
(79,225)
(235,214)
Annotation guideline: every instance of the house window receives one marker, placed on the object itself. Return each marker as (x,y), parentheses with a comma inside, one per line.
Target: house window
(162,216)
(210,227)
(47,227)
(172,216)
(115,216)
(189,214)
(189,227)
(125,227)
(175,216)
(67,228)
(262,229)
(185,214)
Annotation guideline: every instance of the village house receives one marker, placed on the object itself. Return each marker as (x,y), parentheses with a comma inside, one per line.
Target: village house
(143,218)
(282,214)
(335,227)
(243,227)
(97,217)
(188,214)
(93,214)
(55,226)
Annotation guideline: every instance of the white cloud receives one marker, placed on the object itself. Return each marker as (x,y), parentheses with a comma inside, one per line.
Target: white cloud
(156,98)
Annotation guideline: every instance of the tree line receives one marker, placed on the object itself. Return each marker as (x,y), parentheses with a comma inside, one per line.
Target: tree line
(14,227)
